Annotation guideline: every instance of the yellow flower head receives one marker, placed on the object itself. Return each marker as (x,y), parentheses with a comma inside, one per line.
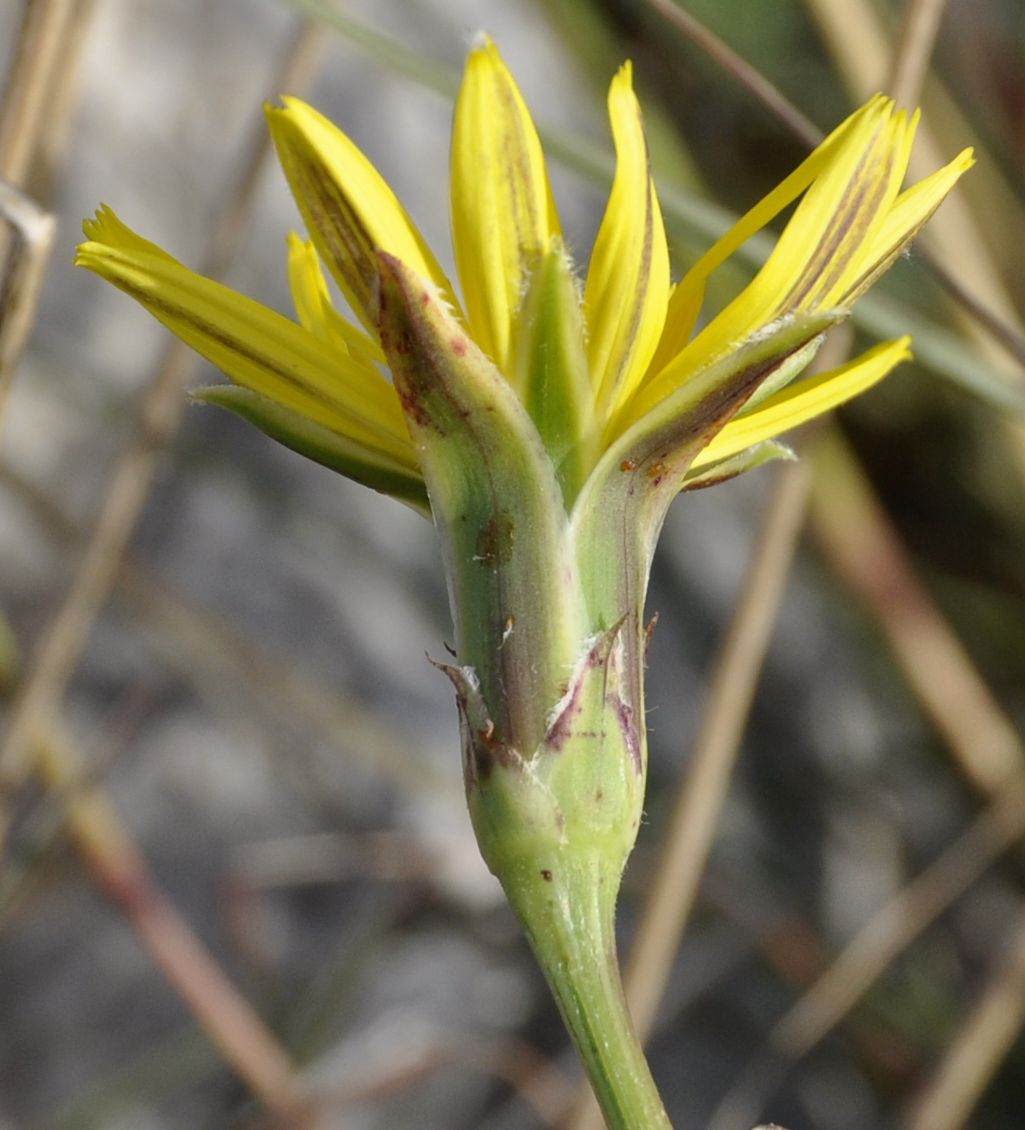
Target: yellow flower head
(627,349)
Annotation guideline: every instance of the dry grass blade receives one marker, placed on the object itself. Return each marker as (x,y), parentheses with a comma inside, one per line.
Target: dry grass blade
(857,41)
(868,955)
(900,921)
(981,1046)
(62,643)
(48,26)
(865,552)
(988,307)
(741,70)
(915,41)
(205,650)
(34,106)
(32,230)
(695,817)
(986,747)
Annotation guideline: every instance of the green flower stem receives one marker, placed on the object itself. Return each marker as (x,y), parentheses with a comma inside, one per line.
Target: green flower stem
(549,672)
(567,912)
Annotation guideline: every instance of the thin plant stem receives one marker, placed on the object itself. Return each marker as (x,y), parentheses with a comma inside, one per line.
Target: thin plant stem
(919,27)
(31,230)
(24,106)
(865,551)
(1001,330)
(741,70)
(570,925)
(63,641)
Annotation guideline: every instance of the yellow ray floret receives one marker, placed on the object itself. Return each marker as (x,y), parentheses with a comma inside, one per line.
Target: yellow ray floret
(503,212)
(628,280)
(608,358)
(349,210)
(313,305)
(256,347)
(850,224)
(803,401)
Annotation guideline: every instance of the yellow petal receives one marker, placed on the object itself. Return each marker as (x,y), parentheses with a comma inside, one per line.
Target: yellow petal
(848,227)
(628,280)
(689,293)
(105,227)
(902,222)
(255,346)
(847,185)
(349,210)
(803,401)
(313,305)
(858,209)
(503,213)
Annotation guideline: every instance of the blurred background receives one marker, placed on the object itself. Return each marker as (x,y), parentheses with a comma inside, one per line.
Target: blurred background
(237,870)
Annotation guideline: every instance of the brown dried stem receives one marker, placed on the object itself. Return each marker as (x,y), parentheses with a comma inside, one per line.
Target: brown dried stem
(48,28)
(858,42)
(34,106)
(31,230)
(692,826)
(919,27)
(865,551)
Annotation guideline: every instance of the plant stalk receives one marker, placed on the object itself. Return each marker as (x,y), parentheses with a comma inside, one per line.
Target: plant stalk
(567,911)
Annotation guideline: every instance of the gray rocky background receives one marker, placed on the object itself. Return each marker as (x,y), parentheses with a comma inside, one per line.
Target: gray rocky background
(257,702)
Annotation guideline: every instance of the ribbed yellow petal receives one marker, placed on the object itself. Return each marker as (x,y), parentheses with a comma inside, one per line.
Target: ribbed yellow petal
(844,195)
(105,227)
(803,401)
(902,222)
(350,211)
(857,209)
(628,280)
(503,213)
(255,346)
(689,293)
(848,227)
(313,305)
